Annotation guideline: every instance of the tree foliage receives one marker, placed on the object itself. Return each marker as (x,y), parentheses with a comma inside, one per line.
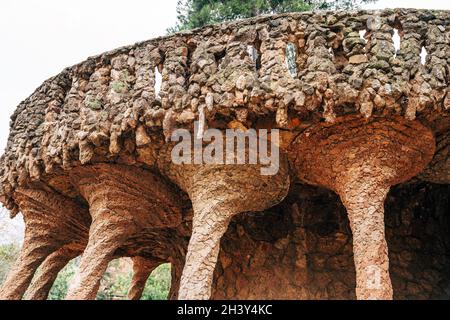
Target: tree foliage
(114,285)
(116,282)
(197,13)
(158,285)
(8,255)
(62,282)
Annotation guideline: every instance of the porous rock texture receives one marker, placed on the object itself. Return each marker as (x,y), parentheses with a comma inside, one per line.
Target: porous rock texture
(218,192)
(88,161)
(360,159)
(54,226)
(125,203)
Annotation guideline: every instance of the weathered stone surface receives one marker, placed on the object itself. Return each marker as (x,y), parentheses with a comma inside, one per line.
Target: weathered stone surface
(357,59)
(356,116)
(218,192)
(316,261)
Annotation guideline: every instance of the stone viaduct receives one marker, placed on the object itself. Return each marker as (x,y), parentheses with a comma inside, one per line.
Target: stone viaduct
(359,207)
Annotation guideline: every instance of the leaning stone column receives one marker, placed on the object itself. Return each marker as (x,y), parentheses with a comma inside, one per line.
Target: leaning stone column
(49,270)
(218,192)
(33,252)
(209,225)
(51,222)
(122,201)
(142,268)
(360,159)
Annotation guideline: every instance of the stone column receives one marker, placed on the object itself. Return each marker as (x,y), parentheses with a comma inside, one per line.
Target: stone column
(122,201)
(52,221)
(364,201)
(218,192)
(360,159)
(209,225)
(142,268)
(33,252)
(49,270)
(109,230)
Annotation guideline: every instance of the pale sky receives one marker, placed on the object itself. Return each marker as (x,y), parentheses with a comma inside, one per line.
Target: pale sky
(40,38)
